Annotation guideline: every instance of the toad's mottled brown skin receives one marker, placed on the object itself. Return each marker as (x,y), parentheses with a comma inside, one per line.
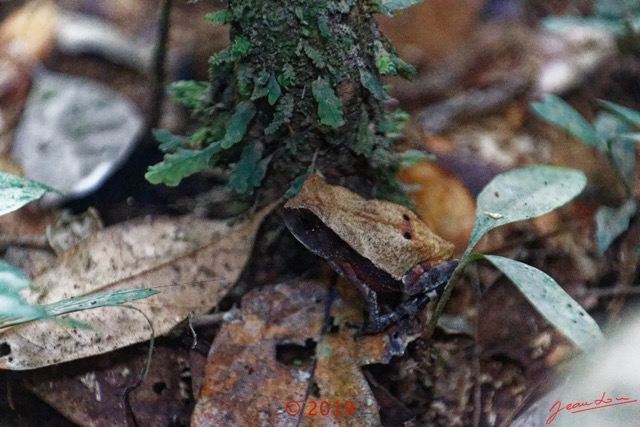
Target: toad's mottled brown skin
(392,237)
(378,245)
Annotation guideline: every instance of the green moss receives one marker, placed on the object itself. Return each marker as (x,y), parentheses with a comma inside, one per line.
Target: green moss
(309,73)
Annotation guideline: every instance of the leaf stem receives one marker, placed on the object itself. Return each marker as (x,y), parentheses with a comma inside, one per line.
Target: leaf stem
(466,259)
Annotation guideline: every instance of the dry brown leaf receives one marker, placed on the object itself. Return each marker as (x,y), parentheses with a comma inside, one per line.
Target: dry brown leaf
(28,33)
(389,235)
(431,30)
(442,202)
(250,381)
(90,392)
(193,263)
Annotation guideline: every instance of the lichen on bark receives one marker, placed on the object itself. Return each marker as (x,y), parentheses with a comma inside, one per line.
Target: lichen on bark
(297,91)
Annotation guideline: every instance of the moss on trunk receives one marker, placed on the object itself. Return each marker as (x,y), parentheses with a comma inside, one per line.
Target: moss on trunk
(297,91)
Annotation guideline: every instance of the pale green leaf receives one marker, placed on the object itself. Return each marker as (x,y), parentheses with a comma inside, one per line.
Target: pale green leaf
(15,311)
(631,116)
(16,191)
(329,105)
(101,299)
(556,111)
(409,158)
(622,152)
(522,194)
(612,222)
(551,301)
(389,6)
(12,307)
(12,280)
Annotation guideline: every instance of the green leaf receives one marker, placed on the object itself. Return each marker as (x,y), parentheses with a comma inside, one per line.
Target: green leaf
(16,312)
(550,300)
(260,87)
(167,141)
(409,158)
(323,26)
(373,85)
(622,152)
(189,93)
(221,57)
(616,132)
(315,55)
(296,186)
(329,105)
(273,89)
(284,111)
(384,60)
(522,194)
(631,116)
(365,140)
(556,111)
(181,164)
(16,192)
(244,78)
(249,171)
(241,46)
(13,311)
(389,6)
(616,27)
(12,280)
(609,126)
(612,222)
(238,124)
(12,307)
(288,75)
(219,17)
(101,299)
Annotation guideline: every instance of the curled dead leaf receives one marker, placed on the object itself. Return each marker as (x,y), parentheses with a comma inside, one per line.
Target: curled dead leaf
(193,262)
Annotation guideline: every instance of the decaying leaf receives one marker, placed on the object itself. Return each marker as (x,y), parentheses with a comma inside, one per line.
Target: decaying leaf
(273,365)
(90,392)
(389,235)
(192,261)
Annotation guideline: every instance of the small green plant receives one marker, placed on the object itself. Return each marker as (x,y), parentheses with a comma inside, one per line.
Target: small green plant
(519,195)
(615,132)
(299,83)
(16,192)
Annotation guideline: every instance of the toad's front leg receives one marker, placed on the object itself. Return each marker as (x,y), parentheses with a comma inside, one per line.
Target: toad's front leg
(422,284)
